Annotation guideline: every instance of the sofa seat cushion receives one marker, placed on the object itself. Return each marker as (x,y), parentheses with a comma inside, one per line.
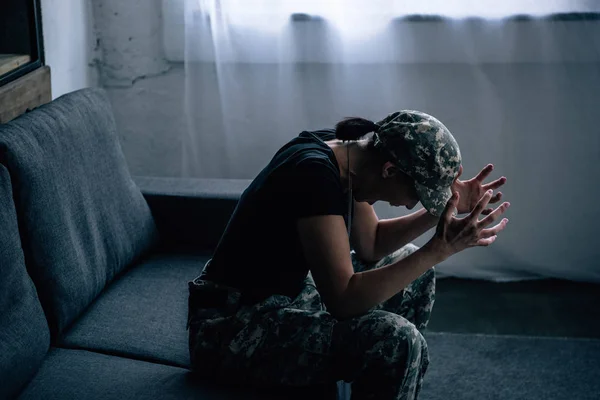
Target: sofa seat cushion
(81,374)
(81,216)
(143,314)
(24,334)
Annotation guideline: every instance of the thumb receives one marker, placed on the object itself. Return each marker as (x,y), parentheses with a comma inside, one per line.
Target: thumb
(460,170)
(450,209)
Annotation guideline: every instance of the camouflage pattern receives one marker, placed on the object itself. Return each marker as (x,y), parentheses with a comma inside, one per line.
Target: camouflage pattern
(424,149)
(295,341)
(416,301)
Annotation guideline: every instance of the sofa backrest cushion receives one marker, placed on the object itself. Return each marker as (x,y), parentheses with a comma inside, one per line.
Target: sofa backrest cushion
(82,218)
(24,335)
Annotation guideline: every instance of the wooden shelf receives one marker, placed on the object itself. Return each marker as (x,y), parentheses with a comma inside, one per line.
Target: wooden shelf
(9,62)
(27,92)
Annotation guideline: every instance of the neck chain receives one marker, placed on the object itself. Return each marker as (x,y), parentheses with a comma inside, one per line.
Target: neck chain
(350,199)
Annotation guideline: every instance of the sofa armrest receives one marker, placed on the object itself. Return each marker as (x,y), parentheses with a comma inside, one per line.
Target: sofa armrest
(191,214)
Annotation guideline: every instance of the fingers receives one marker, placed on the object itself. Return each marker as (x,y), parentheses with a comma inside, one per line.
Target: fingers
(487,211)
(450,206)
(486,241)
(489,236)
(460,170)
(489,232)
(484,173)
(481,204)
(494,215)
(496,198)
(495,184)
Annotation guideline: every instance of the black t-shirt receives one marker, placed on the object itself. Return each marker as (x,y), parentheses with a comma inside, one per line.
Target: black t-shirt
(260,252)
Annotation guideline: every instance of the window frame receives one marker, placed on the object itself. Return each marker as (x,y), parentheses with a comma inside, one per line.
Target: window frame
(37,45)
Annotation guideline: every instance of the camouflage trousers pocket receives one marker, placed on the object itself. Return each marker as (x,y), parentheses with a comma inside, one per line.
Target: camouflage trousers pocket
(207,300)
(212,321)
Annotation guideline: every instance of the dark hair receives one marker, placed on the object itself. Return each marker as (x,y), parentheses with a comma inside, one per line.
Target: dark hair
(353,128)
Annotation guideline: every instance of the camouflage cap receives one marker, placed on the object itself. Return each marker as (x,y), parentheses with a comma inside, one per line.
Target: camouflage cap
(424,149)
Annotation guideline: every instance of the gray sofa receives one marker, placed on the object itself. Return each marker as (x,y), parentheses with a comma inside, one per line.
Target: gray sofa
(94,263)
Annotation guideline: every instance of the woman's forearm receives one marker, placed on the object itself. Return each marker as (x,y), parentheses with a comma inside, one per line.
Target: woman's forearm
(396,232)
(367,289)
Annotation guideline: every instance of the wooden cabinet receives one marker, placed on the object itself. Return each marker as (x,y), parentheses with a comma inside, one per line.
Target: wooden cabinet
(24,79)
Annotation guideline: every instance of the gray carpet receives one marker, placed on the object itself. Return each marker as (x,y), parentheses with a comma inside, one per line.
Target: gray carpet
(476,366)
(506,367)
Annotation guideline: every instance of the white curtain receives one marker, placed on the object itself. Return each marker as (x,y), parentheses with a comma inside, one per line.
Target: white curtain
(519,92)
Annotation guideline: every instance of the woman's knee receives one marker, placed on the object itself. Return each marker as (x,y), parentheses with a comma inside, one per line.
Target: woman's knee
(405,251)
(391,338)
(398,255)
(379,345)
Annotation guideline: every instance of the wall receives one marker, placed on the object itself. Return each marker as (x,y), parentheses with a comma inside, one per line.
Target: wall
(146,90)
(129,36)
(69,44)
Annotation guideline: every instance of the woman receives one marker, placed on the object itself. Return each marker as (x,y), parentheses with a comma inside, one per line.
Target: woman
(307,285)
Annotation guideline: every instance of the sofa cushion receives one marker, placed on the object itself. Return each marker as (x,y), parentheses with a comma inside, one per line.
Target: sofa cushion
(82,218)
(180,205)
(24,335)
(80,374)
(143,314)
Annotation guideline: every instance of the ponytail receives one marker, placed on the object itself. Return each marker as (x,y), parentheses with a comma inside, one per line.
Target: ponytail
(354,128)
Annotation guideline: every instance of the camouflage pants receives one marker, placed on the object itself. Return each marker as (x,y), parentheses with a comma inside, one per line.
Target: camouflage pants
(295,341)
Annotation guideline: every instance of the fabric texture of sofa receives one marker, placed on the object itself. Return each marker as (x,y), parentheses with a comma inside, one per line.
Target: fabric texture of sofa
(95,263)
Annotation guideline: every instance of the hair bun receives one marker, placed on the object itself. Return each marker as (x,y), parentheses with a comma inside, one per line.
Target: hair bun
(353,128)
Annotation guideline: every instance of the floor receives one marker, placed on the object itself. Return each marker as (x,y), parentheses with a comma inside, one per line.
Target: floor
(549,307)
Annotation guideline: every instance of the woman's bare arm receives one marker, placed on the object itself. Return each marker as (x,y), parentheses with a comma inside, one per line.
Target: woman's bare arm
(396,232)
(373,239)
(344,292)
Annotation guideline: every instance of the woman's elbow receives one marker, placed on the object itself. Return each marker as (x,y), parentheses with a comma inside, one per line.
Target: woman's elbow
(344,305)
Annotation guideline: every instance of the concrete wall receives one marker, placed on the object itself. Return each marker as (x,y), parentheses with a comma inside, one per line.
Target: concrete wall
(129,37)
(69,44)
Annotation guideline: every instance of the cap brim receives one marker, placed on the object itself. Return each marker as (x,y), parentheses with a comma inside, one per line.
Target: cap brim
(434,200)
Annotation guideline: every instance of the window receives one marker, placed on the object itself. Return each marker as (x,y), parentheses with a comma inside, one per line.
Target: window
(20,39)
